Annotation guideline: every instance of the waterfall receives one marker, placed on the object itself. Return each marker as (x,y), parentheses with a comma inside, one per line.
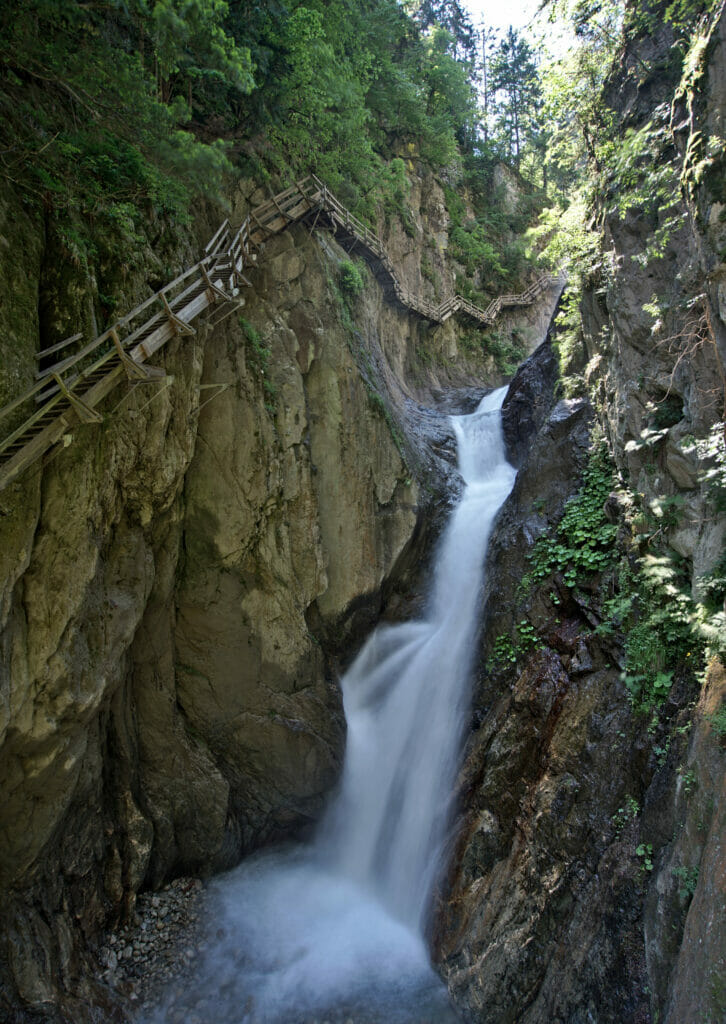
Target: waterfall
(406,698)
(335,931)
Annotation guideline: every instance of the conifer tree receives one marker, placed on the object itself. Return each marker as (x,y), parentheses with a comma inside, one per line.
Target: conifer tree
(515,83)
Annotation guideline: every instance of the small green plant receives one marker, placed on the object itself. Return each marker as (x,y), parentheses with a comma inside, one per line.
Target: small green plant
(688,780)
(717,721)
(507,652)
(645,852)
(688,878)
(661,752)
(625,814)
(503,652)
(507,351)
(350,279)
(527,635)
(655,613)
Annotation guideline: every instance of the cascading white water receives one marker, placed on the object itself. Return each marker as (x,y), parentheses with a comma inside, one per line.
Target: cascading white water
(337,929)
(406,696)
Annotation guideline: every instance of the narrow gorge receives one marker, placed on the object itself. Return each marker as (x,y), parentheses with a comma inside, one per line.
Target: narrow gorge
(362,598)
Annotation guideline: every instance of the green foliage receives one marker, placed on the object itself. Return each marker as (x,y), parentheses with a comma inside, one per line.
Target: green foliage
(350,279)
(472,246)
(488,239)
(503,653)
(717,721)
(579,121)
(656,615)
(711,450)
(645,852)
(517,91)
(95,110)
(583,541)
(507,350)
(643,176)
(562,240)
(688,877)
(259,359)
(116,111)
(450,15)
(506,652)
(683,13)
(661,751)
(193,48)
(687,780)
(348,86)
(625,814)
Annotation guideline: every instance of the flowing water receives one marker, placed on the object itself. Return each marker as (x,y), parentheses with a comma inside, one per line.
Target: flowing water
(334,932)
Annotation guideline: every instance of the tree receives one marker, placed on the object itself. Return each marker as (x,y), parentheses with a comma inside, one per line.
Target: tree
(515,84)
(487,39)
(449,14)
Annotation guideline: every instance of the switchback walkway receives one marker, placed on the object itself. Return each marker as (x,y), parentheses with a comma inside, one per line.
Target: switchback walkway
(70,389)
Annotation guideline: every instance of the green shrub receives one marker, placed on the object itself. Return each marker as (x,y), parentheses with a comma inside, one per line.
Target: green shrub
(350,279)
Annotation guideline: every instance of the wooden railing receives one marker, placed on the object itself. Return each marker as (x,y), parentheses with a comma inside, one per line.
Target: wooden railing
(70,389)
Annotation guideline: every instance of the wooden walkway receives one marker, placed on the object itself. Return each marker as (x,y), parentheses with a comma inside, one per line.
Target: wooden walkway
(69,389)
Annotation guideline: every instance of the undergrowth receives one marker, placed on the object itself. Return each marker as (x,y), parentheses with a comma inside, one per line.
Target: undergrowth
(583,542)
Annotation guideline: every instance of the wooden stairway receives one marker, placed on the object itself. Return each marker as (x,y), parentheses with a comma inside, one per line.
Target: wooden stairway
(69,390)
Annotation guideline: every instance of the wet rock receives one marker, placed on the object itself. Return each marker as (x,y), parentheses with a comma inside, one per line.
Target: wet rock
(528,401)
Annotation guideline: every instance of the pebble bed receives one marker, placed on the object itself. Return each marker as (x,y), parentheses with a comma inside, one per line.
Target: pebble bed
(157,945)
(152,963)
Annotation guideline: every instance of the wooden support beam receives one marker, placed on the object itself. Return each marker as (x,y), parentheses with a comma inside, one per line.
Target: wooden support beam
(235,305)
(217,294)
(84,412)
(135,371)
(179,326)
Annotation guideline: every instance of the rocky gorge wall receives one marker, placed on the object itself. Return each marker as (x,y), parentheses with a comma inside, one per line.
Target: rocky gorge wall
(179,585)
(551,913)
(588,879)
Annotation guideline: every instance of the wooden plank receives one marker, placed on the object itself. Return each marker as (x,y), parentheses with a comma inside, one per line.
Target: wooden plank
(125,320)
(76,358)
(165,332)
(104,386)
(210,246)
(57,347)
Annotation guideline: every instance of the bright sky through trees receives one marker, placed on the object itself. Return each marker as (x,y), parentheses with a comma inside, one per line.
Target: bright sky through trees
(502,13)
(554,40)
